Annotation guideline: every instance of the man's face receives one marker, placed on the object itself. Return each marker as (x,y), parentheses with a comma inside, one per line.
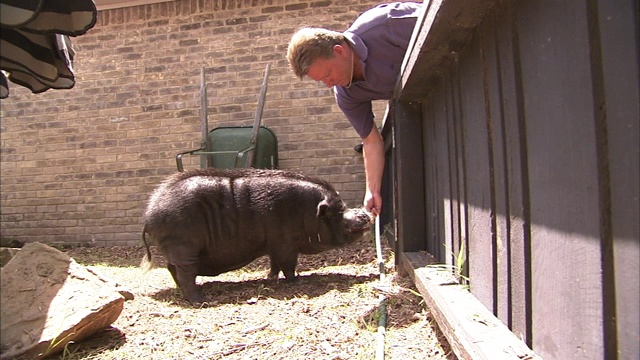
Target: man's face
(333,71)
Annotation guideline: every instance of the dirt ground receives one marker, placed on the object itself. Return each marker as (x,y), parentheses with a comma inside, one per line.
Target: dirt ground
(332,313)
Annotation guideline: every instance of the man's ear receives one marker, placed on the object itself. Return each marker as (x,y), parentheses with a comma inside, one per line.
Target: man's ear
(338,50)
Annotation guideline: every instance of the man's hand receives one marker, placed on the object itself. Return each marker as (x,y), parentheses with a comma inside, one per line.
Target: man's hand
(373,203)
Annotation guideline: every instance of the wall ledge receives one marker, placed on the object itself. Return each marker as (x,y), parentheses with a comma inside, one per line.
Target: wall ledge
(115,4)
(473,332)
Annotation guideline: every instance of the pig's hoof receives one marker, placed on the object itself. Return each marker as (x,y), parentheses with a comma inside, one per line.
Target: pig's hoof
(294,281)
(272,277)
(198,300)
(201,304)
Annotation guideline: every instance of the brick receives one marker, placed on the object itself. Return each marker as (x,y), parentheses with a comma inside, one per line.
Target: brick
(295,7)
(272,9)
(79,164)
(258,19)
(236,21)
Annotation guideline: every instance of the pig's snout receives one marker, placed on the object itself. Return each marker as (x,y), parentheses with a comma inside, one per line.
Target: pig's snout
(357,220)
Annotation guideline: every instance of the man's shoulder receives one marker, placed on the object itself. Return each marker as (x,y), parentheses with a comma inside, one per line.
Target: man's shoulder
(383,13)
(378,17)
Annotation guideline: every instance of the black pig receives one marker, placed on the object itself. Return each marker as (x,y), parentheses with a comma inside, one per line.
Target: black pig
(210,221)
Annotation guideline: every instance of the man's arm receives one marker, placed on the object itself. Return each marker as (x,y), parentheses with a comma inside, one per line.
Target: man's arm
(373,153)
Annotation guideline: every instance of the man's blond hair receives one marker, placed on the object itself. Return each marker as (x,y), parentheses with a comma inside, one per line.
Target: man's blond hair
(309,44)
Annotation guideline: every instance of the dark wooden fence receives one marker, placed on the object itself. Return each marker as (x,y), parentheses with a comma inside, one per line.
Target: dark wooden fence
(515,142)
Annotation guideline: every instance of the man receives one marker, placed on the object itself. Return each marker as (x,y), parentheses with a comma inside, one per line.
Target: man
(361,64)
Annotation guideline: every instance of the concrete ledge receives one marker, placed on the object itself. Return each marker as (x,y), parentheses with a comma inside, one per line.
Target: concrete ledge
(471,329)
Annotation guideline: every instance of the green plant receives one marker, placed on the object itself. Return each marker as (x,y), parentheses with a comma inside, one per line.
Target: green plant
(422,302)
(261,289)
(55,342)
(67,353)
(456,270)
(10,242)
(461,260)
(369,321)
(362,289)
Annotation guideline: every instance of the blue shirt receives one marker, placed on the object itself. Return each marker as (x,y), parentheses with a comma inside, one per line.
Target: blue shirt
(380,37)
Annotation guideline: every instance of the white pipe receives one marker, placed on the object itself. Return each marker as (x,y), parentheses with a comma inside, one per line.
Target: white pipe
(382,307)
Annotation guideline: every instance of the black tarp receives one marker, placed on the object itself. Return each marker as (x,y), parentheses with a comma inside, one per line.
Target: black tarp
(35,46)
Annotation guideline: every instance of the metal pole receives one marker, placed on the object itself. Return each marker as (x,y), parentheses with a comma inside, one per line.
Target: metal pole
(205,161)
(258,118)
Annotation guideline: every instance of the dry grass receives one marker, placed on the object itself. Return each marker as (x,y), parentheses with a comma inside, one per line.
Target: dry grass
(331,314)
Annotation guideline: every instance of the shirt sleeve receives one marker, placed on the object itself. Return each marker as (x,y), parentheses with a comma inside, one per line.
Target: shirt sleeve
(358,112)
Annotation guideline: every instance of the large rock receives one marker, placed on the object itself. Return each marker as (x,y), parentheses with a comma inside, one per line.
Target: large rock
(47,300)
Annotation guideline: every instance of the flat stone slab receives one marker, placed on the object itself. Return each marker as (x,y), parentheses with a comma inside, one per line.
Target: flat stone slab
(47,300)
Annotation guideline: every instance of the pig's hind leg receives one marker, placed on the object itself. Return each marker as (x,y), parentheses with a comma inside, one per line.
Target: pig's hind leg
(185,278)
(182,263)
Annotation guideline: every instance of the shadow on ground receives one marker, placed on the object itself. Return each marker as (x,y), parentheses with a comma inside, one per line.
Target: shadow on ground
(240,292)
(110,338)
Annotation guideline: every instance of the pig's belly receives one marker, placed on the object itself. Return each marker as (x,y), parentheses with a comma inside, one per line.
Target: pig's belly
(216,264)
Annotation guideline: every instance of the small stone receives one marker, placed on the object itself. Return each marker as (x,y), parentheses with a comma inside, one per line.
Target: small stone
(253,300)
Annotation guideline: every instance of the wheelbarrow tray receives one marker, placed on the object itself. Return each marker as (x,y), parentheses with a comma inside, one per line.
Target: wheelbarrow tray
(230,146)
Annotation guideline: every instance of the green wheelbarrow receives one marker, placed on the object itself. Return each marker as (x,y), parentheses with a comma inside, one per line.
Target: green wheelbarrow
(235,146)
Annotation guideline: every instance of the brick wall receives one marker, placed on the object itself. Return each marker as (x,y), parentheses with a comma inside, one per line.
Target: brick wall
(78,165)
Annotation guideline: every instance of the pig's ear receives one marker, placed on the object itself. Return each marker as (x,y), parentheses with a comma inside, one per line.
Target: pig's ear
(323,209)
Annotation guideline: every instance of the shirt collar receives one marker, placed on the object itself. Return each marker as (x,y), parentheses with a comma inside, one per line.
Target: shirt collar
(358,45)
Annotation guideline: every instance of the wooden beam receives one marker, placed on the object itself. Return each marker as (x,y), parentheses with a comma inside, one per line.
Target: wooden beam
(409,176)
(473,332)
(443,31)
